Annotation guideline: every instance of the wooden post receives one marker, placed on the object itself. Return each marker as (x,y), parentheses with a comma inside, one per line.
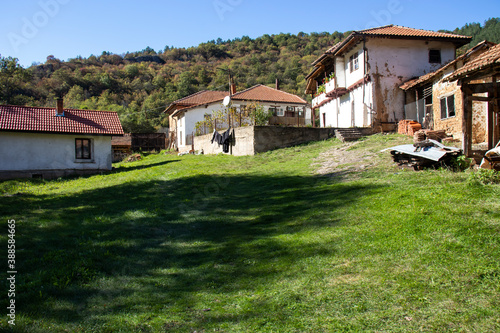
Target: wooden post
(496,115)
(491,119)
(416,104)
(466,120)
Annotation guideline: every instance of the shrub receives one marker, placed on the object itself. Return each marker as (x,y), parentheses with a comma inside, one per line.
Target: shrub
(484,176)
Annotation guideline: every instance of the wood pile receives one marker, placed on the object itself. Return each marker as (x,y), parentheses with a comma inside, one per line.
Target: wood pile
(430,134)
(413,128)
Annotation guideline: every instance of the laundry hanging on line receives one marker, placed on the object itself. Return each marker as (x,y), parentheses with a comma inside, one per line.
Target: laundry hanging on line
(223,139)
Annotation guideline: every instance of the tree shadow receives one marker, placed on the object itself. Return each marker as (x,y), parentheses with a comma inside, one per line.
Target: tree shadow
(123,168)
(140,245)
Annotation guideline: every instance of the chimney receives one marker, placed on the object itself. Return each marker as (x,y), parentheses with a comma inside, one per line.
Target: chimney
(60,107)
(277,84)
(233,88)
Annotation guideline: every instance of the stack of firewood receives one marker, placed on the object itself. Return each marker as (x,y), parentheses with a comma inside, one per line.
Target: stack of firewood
(425,134)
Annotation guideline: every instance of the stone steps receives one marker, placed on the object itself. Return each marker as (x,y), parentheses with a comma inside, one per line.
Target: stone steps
(348,134)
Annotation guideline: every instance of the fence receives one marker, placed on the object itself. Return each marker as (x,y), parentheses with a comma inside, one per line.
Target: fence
(149,142)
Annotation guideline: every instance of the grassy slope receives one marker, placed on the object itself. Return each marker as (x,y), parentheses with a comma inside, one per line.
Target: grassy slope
(204,243)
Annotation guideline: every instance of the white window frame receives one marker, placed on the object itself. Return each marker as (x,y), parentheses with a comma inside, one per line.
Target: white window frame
(354,62)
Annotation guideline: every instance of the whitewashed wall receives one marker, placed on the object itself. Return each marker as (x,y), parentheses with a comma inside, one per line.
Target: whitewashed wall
(33,151)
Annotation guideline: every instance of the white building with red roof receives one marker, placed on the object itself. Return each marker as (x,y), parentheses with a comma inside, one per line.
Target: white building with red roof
(55,142)
(356,82)
(288,109)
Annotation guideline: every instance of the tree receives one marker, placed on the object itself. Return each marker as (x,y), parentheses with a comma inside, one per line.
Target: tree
(13,78)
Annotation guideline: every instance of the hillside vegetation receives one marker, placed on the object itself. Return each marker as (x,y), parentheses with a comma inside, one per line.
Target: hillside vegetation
(139,85)
(257,244)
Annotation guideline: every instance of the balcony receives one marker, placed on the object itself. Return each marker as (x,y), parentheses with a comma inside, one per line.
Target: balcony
(324,90)
(330,86)
(318,100)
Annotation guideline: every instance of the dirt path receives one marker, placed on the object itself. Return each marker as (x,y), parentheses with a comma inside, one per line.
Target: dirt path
(344,160)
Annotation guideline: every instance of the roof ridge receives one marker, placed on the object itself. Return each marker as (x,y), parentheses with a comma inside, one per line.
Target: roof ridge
(374,28)
(248,89)
(270,88)
(189,96)
(51,108)
(274,89)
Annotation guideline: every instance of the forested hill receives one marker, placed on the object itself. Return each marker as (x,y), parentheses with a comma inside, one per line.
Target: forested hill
(490,31)
(139,85)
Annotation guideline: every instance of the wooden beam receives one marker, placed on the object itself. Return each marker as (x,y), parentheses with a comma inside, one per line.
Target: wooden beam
(479,88)
(481,98)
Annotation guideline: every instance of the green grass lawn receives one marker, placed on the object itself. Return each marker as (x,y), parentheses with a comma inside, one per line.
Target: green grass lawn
(256,244)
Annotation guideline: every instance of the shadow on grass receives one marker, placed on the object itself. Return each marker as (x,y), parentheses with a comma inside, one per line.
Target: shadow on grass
(124,168)
(151,247)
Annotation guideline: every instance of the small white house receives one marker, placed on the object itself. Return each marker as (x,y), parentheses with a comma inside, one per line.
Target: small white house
(55,142)
(288,109)
(356,82)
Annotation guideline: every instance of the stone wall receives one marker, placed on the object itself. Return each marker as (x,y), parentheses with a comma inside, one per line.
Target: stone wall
(252,140)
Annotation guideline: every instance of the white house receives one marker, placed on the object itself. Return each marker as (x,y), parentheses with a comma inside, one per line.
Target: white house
(54,142)
(356,82)
(288,109)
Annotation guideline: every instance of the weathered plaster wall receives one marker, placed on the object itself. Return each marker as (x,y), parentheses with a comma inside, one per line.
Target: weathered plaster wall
(33,151)
(392,62)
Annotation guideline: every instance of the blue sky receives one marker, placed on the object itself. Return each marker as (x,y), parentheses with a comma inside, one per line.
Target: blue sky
(33,29)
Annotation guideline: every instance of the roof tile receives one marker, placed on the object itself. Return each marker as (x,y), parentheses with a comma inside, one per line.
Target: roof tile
(400,31)
(488,58)
(261,93)
(35,119)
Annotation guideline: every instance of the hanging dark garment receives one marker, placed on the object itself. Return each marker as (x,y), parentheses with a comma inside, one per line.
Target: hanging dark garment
(223,139)
(227,138)
(216,137)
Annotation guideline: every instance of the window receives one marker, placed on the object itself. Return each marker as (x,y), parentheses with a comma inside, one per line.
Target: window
(354,62)
(435,56)
(83,149)
(448,107)
(280,112)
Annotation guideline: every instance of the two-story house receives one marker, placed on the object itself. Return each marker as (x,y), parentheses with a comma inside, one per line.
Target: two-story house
(356,82)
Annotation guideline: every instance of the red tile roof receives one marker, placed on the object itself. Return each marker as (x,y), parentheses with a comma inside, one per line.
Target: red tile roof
(258,93)
(261,93)
(200,98)
(486,60)
(399,31)
(35,119)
